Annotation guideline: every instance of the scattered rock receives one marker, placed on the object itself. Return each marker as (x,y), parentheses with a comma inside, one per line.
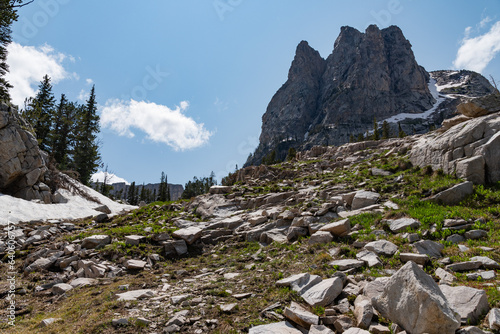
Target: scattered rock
(464,266)
(363,199)
(402,224)
(300,315)
(494,319)
(470,303)
(323,293)
(61,288)
(135,264)
(339,228)
(363,311)
(429,248)
(455,194)
(417,258)
(382,247)
(229,308)
(189,234)
(347,264)
(486,262)
(283,327)
(300,282)
(371,259)
(320,237)
(135,294)
(96,241)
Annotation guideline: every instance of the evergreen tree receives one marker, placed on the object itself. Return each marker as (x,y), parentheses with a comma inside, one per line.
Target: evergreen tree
(375,129)
(401,133)
(162,191)
(40,113)
(351,138)
(292,153)
(86,156)
(386,130)
(168,188)
(142,196)
(132,194)
(361,137)
(198,186)
(63,134)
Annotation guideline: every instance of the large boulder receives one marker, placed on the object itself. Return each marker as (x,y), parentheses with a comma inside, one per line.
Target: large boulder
(414,301)
(455,194)
(22,164)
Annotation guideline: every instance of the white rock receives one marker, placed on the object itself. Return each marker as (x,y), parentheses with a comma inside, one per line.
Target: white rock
(324,293)
(486,262)
(135,264)
(83,281)
(283,327)
(339,228)
(470,303)
(382,247)
(428,247)
(61,288)
(300,315)
(370,258)
(494,319)
(347,264)
(96,241)
(320,237)
(401,224)
(320,329)
(300,282)
(189,234)
(135,294)
(363,199)
(363,311)
(413,300)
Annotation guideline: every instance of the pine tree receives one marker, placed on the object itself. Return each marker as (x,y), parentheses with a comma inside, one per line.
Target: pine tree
(40,113)
(351,138)
(292,153)
(132,194)
(168,188)
(86,156)
(62,135)
(361,137)
(401,133)
(386,130)
(162,191)
(142,196)
(375,129)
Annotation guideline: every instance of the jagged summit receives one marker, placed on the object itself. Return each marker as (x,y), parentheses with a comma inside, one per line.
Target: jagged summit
(370,75)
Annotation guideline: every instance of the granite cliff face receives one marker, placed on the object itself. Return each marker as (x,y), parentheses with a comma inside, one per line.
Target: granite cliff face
(370,75)
(23,168)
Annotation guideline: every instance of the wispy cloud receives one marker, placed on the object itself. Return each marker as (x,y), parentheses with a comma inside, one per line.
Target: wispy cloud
(160,123)
(475,53)
(28,65)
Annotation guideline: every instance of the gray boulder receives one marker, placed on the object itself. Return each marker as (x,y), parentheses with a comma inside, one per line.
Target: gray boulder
(382,247)
(364,198)
(283,327)
(428,247)
(96,241)
(324,293)
(455,194)
(470,303)
(413,300)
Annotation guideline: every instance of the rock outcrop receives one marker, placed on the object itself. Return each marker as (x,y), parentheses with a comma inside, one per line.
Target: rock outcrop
(370,75)
(470,149)
(22,165)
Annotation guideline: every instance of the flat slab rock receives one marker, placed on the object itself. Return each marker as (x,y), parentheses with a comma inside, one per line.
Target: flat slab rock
(428,247)
(283,327)
(402,224)
(347,264)
(189,234)
(135,294)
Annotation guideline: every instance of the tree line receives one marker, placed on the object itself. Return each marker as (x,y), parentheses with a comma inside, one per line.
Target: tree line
(66,130)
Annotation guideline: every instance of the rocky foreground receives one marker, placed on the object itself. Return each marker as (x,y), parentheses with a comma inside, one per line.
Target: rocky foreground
(388,236)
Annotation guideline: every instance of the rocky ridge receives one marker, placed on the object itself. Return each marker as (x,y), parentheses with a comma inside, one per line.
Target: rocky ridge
(370,75)
(313,245)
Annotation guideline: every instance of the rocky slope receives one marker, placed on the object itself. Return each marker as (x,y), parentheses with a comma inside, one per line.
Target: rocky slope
(349,239)
(371,75)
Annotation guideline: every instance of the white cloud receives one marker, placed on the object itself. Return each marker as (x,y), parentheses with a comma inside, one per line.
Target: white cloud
(89,81)
(83,95)
(28,65)
(160,123)
(484,22)
(476,53)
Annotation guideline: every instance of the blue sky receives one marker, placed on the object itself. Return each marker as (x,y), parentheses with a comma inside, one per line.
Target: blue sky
(182,85)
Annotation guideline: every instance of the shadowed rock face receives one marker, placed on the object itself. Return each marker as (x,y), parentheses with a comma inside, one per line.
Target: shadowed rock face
(22,165)
(370,75)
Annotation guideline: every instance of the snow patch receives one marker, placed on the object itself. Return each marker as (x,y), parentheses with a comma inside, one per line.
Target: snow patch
(16,210)
(434,89)
(110,178)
